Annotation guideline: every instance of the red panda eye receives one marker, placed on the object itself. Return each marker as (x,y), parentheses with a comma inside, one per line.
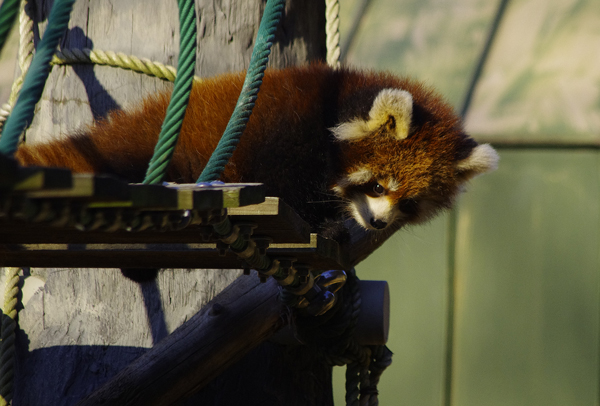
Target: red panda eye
(378,189)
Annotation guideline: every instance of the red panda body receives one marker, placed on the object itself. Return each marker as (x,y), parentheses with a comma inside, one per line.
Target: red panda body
(333,143)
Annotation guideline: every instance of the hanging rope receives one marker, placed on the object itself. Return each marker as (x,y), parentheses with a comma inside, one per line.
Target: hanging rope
(364,364)
(169,133)
(332,32)
(9,324)
(25,53)
(33,85)
(333,334)
(8,14)
(258,62)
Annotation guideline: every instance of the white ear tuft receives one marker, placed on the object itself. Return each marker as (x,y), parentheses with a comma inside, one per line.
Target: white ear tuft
(392,103)
(483,159)
(391,106)
(351,131)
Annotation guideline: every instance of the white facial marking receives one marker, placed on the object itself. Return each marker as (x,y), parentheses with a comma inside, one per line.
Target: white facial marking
(358,177)
(366,208)
(363,175)
(338,190)
(393,185)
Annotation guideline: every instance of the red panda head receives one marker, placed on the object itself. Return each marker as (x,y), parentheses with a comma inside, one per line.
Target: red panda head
(406,159)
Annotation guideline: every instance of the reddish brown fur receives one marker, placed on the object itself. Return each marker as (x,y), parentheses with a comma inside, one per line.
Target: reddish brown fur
(287,144)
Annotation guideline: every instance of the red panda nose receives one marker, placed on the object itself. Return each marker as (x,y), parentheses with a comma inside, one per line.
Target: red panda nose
(378,224)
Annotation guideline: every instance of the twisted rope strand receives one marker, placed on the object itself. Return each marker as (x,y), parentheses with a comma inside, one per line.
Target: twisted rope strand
(9,324)
(382,358)
(33,86)
(25,55)
(167,140)
(245,104)
(332,32)
(117,60)
(8,14)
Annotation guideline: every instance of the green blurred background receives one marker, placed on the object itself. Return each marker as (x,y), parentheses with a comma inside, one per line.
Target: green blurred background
(497,303)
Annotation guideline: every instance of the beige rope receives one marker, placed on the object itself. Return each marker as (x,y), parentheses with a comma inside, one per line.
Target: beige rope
(25,55)
(71,56)
(116,59)
(332,31)
(7,337)
(11,287)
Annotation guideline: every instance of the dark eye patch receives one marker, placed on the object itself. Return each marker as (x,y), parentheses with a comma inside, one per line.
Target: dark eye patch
(408,206)
(373,189)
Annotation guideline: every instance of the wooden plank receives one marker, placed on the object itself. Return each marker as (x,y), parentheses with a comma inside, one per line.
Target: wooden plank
(174,196)
(15,177)
(320,253)
(192,195)
(8,171)
(273,218)
(86,186)
(33,178)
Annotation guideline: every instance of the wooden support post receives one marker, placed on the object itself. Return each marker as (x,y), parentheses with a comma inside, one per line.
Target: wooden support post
(238,319)
(85,325)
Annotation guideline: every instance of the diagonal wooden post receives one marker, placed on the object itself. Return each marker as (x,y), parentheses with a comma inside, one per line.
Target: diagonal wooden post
(241,317)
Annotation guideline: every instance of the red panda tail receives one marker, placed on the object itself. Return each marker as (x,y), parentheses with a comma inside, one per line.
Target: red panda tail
(122,144)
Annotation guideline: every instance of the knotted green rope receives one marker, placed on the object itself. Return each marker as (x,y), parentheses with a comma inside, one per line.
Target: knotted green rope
(245,104)
(169,132)
(33,86)
(8,15)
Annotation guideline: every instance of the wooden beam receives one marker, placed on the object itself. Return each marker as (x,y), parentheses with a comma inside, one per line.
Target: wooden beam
(273,217)
(242,316)
(319,253)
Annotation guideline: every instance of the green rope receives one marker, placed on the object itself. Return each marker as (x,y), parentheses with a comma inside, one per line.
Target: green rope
(33,86)
(8,15)
(169,132)
(245,103)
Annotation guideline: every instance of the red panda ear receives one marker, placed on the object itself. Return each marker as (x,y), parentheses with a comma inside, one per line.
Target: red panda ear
(392,108)
(483,158)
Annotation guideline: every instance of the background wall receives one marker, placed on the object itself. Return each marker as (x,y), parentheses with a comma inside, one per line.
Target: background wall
(498,302)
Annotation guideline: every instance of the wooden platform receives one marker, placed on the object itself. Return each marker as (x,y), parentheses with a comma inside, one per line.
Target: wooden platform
(52,218)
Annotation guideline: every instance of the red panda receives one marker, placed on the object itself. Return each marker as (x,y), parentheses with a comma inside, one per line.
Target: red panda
(333,143)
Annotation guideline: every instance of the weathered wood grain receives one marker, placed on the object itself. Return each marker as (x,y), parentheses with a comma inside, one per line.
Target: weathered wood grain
(237,320)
